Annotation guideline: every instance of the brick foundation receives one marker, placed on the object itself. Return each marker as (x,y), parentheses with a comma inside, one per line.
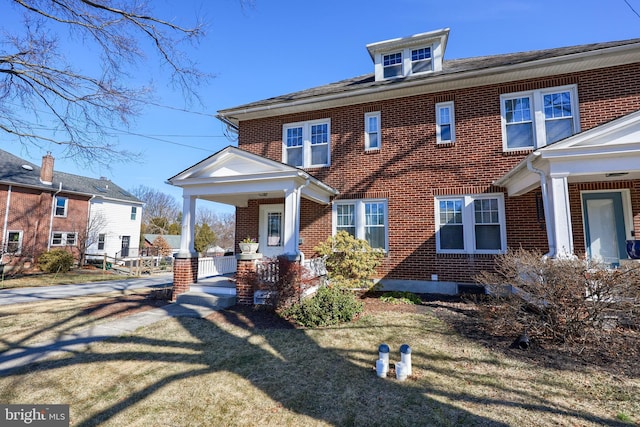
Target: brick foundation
(185,273)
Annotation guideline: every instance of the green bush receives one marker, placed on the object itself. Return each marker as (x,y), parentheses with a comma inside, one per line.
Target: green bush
(330,306)
(397,297)
(55,261)
(349,261)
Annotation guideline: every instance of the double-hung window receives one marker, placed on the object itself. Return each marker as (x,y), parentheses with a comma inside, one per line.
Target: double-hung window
(372,131)
(61,206)
(60,238)
(534,119)
(365,219)
(445,123)
(307,144)
(134,213)
(101,240)
(14,242)
(470,224)
(421,60)
(392,65)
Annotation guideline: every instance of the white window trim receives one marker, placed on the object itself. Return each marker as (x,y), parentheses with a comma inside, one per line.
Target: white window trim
(306,143)
(439,106)
(537,112)
(468,223)
(360,217)
(66,206)
(367,143)
(20,236)
(64,238)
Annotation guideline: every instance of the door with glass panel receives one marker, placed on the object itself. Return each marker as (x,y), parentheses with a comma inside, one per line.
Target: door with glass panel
(271,238)
(604,227)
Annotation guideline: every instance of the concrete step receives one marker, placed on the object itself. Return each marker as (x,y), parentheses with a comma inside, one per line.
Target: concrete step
(203,299)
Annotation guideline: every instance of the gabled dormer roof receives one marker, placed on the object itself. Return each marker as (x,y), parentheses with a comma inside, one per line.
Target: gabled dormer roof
(455,74)
(407,56)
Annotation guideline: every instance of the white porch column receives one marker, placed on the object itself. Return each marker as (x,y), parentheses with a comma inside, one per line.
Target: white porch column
(290,215)
(188,227)
(558,195)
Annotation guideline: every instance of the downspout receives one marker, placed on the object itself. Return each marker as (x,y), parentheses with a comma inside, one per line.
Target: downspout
(297,224)
(53,207)
(547,213)
(5,230)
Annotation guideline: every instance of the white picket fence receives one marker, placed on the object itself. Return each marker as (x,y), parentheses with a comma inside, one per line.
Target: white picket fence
(217,265)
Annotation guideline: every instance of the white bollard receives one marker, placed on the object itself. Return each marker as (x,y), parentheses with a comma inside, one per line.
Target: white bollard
(382,368)
(405,357)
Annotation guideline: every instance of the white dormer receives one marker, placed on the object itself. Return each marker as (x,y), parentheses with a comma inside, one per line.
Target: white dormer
(402,57)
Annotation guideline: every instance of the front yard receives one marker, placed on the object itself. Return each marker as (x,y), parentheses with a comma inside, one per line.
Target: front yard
(242,367)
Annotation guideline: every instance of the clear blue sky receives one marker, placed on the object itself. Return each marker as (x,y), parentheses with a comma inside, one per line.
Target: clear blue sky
(277,47)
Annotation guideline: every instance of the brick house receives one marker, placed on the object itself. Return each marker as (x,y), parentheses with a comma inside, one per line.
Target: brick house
(441,163)
(43,209)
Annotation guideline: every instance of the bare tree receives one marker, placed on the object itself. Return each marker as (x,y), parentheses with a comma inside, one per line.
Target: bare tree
(222,225)
(160,209)
(47,100)
(87,236)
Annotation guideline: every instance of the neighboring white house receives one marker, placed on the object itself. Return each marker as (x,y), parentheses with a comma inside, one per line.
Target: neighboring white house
(115,227)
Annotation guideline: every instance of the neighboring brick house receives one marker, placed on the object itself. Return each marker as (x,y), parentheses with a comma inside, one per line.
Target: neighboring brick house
(43,209)
(443,164)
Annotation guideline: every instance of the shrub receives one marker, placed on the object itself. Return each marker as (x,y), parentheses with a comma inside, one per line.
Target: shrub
(563,300)
(349,261)
(55,261)
(330,306)
(397,297)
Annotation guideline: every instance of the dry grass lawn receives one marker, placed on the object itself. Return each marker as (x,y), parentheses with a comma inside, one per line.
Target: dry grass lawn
(227,371)
(51,279)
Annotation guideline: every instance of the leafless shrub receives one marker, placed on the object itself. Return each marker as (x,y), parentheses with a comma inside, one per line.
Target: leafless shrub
(568,301)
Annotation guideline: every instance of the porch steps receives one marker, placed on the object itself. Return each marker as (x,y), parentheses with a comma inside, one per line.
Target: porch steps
(206,300)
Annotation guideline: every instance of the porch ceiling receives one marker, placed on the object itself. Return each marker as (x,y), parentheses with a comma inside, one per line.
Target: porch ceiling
(610,152)
(234,176)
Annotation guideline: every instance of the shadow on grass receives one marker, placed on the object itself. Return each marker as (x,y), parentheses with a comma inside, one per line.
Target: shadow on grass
(302,376)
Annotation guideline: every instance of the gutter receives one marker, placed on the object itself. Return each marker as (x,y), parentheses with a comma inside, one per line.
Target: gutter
(5,230)
(545,203)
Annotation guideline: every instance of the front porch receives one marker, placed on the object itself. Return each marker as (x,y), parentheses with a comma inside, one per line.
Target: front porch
(590,189)
(236,177)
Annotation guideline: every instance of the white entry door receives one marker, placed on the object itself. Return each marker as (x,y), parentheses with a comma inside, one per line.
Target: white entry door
(271,235)
(604,226)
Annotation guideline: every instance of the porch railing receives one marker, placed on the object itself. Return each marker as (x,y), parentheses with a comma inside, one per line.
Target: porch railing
(268,271)
(217,265)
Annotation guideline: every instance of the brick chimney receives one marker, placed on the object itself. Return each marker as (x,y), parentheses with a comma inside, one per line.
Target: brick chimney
(46,172)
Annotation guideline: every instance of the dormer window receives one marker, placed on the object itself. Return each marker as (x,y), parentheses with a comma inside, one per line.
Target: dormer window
(393,65)
(421,60)
(404,57)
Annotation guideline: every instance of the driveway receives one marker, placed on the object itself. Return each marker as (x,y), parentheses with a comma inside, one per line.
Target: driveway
(44,293)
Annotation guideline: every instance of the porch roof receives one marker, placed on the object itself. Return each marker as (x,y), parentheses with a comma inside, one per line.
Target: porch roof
(609,152)
(234,176)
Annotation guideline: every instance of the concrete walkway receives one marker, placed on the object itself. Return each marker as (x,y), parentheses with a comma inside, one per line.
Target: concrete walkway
(44,293)
(78,342)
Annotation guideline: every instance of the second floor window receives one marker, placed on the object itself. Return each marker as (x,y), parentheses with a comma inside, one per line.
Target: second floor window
(372,131)
(535,119)
(134,212)
(61,206)
(307,144)
(445,128)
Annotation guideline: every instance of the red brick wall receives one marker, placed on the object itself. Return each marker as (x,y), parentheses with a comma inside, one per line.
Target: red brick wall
(411,168)
(30,212)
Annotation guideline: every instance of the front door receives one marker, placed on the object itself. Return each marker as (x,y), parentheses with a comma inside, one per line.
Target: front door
(604,228)
(271,237)
(125,246)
